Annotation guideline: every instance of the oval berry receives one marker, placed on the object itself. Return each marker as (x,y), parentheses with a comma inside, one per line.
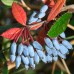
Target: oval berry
(63,49)
(18,61)
(31,61)
(32,20)
(20,49)
(49,58)
(49,51)
(25,51)
(54,52)
(62,35)
(25,60)
(31,50)
(55,58)
(42,55)
(61,55)
(44,8)
(13,48)
(12,58)
(67,44)
(39,20)
(37,45)
(48,42)
(36,58)
(56,44)
(41,15)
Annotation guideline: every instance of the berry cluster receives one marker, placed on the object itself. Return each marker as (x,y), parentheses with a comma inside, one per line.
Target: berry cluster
(27,54)
(37,16)
(30,55)
(57,47)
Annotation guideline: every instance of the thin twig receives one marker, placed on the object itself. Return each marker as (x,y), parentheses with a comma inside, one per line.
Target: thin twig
(71,37)
(59,64)
(53,69)
(69,7)
(72,42)
(70,26)
(65,65)
(24,5)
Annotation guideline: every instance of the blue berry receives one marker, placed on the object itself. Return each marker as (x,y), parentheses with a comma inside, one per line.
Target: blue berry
(44,8)
(55,58)
(67,44)
(63,49)
(39,20)
(54,52)
(41,15)
(25,51)
(61,55)
(56,44)
(36,58)
(18,61)
(62,35)
(31,50)
(13,48)
(31,61)
(20,49)
(33,14)
(32,20)
(48,42)
(12,58)
(25,60)
(49,58)
(37,45)
(42,55)
(49,51)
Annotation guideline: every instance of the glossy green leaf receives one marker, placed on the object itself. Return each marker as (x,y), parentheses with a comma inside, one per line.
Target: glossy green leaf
(60,25)
(7,2)
(5,69)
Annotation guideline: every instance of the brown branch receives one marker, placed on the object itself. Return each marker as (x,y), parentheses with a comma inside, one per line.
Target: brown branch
(70,26)
(53,69)
(69,7)
(24,5)
(72,42)
(65,65)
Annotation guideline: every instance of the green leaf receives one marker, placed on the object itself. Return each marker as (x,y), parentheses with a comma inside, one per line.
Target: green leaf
(60,25)
(8,2)
(5,69)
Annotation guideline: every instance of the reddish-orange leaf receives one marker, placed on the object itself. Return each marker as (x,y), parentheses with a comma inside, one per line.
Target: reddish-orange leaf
(50,3)
(36,26)
(55,10)
(11,33)
(19,13)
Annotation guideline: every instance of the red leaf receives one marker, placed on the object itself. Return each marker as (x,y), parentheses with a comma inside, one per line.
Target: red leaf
(11,33)
(36,26)
(19,13)
(55,10)
(50,3)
